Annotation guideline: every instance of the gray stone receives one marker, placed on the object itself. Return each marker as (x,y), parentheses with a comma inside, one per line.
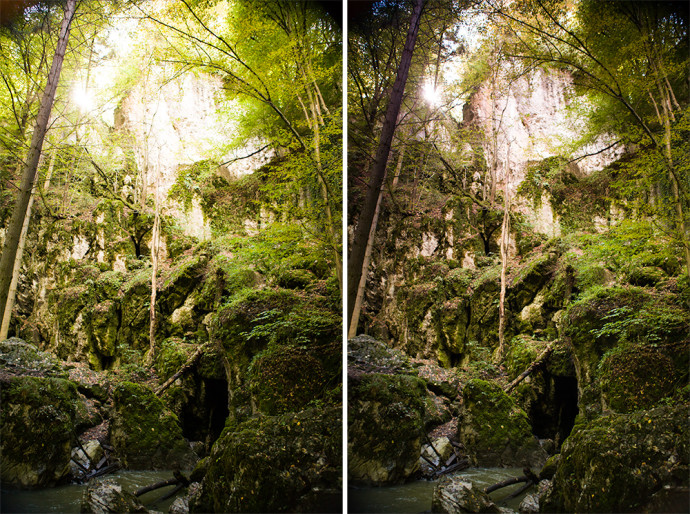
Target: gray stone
(453,495)
(106,496)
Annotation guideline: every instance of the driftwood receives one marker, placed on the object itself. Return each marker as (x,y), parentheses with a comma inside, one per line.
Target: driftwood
(104,471)
(185,367)
(519,491)
(179,480)
(528,476)
(538,362)
(460,465)
(157,485)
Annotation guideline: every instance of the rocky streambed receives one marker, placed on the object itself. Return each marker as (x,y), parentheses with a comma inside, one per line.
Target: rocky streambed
(399,407)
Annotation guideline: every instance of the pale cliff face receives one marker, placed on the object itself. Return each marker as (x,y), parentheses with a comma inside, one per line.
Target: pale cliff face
(177,124)
(530,119)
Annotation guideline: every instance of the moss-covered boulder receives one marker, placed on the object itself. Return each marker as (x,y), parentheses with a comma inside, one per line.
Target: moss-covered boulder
(288,463)
(144,433)
(104,323)
(495,431)
(36,430)
(617,462)
(386,424)
(135,310)
(16,354)
(636,377)
(285,379)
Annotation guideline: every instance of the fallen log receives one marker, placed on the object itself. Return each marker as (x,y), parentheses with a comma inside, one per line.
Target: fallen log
(157,485)
(185,367)
(463,464)
(104,471)
(430,462)
(528,476)
(170,494)
(537,363)
(519,491)
(506,483)
(178,479)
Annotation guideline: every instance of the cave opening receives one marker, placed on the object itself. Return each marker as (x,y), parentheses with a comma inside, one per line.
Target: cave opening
(553,412)
(203,416)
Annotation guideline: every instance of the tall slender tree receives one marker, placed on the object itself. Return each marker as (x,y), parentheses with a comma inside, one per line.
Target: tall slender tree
(378,169)
(30,169)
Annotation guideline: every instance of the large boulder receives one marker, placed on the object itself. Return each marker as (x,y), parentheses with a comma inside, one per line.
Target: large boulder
(144,433)
(386,425)
(495,431)
(287,463)
(617,462)
(36,430)
(453,495)
(105,496)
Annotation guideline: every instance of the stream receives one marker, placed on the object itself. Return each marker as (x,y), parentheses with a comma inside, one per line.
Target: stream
(67,498)
(415,497)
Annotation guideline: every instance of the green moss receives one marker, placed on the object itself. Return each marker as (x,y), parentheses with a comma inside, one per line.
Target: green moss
(288,463)
(522,351)
(285,380)
(172,354)
(616,462)
(636,377)
(36,433)
(180,282)
(493,429)
(386,415)
(144,433)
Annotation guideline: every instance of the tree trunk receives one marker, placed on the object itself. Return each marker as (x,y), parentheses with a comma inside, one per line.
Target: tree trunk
(155,245)
(366,217)
(12,294)
(505,240)
(30,170)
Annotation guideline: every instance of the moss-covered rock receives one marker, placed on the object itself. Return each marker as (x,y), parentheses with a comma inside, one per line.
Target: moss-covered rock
(144,433)
(616,462)
(104,323)
(386,424)
(183,278)
(635,377)
(135,310)
(285,380)
(494,429)
(288,463)
(21,356)
(36,430)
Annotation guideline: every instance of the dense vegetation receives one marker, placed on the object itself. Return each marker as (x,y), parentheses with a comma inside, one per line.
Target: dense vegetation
(534,210)
(181,264)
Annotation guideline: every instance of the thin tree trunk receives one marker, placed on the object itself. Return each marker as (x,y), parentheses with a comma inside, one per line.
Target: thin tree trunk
(29,173)
(505,240)
(366,217)
(11,296)
(155,245)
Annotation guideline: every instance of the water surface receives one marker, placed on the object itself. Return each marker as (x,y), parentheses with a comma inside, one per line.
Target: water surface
(415,497)
(67,498)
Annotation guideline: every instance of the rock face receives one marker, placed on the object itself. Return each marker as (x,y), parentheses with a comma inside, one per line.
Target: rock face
(452,495)
(36,430)
(630,457)
(495,431)
(386,414)
(105,496)
(144,433)
(275,464)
